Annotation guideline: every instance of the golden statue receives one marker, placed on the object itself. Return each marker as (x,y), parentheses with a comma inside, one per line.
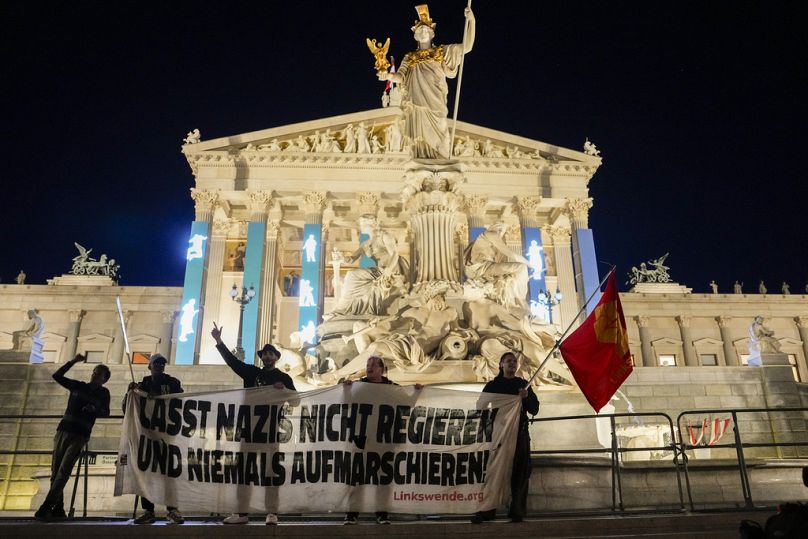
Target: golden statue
(380,52)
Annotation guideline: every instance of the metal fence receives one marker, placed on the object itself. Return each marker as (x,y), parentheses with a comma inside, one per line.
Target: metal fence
(678,446)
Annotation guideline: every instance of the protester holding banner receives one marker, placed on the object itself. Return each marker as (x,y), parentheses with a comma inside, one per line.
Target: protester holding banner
(159,383)
(87,402)
(374,374)
(507,382)
(254,376)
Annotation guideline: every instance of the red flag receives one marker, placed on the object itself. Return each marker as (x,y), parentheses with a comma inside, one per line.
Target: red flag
(597,353)
(391,70)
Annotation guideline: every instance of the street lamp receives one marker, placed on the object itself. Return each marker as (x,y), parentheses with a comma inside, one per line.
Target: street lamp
(550,301)
(247,294)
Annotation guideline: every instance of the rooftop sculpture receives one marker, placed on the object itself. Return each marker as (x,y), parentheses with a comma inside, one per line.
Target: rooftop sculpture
(656,273)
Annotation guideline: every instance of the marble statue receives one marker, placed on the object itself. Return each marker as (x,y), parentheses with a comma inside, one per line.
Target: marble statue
(392,137)
(590,148)
(272,146)
(84,265)
(492,150)
(785,288)
(350,139)
(370,290)
(362,139)
(298,145)
(193,137)
(422,79)
(21,277)
(376,145)
(489,260)
(737,288)
(762,288)
(659,273)
(714,287)
(761,341)
(33,334)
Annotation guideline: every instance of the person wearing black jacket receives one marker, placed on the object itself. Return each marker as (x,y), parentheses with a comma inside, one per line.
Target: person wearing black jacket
(374,374)
(159,383)
(253,376)
(87,402)
(508,383)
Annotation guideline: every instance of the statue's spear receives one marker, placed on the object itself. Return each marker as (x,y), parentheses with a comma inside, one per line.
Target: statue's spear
(457,92)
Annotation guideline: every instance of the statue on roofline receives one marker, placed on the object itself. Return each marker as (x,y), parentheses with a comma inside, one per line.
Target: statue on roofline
(422,77)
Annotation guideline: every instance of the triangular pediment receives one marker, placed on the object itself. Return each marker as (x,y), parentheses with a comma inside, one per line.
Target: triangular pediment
(341,136)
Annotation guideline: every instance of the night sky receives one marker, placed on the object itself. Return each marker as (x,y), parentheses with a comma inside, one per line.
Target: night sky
(700,112)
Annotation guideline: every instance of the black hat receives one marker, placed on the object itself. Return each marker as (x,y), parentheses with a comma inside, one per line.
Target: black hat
(268,348)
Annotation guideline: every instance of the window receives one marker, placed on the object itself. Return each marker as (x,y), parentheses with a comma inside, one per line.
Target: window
(667,360)
(708,360)
(95,356)
(792,360)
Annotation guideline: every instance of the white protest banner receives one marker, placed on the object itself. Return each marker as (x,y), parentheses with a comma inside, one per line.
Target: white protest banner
(362,447)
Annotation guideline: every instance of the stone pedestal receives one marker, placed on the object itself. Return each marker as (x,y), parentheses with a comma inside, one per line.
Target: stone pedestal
(431,198)
(780,391)
(82,280)
(660,288)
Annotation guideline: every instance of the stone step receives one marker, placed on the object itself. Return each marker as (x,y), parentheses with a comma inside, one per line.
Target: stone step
(696,525)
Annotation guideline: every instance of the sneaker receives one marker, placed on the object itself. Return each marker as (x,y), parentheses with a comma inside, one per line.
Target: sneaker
(382,520)
(146,518)
(349,521)
(235,518)
(175,517)
(43,514)
(272,519)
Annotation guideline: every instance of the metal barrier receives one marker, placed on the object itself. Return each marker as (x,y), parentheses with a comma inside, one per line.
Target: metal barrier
(738,444)
(615,451)
(678,448)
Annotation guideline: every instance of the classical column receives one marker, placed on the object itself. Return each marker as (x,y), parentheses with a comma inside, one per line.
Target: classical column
(368,205)
(687,341)
(268,296)
(474,206)
(73,329)
(583,251)
(213,283)
(189,333)
(432,203)
(166,332)
(311,256)
(532,248)
(258,204)
(564,271)
(116,351)
(730,357)
(648,359)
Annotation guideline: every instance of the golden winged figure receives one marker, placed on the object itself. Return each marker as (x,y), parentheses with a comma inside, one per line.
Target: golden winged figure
(380,52)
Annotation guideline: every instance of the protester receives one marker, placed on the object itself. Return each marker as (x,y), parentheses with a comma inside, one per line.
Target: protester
(507,382)
(159,383)
(374,374)
(254,377)
(87,402)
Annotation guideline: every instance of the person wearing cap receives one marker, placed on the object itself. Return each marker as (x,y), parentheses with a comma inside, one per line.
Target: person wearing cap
(253,376)
(159,383)
(87,402)
(508,383)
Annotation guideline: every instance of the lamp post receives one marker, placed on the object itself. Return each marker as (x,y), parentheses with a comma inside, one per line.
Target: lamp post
(247,294)
(550,301)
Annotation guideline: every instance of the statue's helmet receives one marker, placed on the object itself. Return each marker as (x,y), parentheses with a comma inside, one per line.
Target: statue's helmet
(423,18)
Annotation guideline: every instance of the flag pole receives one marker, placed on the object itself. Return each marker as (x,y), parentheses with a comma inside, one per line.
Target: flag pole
(558,341)
(125,338)
(457,92)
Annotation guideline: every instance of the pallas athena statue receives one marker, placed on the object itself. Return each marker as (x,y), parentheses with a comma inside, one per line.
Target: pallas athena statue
(422,78)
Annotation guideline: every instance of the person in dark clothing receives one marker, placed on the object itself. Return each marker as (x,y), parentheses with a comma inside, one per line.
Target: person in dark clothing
(87,402)
(508,383)
(254,376)
(159,383)
(374,374)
